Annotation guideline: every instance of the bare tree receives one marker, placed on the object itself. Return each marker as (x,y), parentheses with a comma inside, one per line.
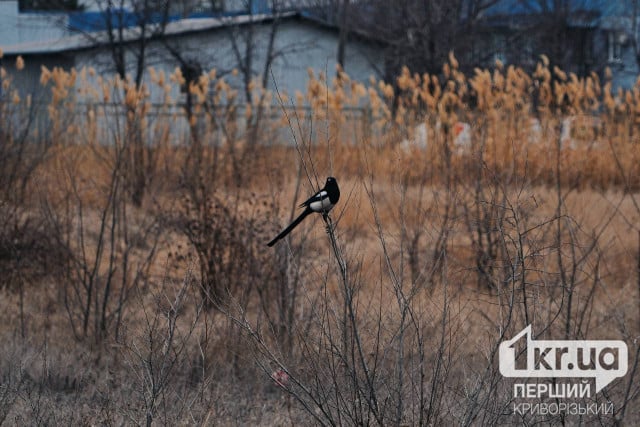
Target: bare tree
(254,61)
(419,34)
(128,37)
(149,18)
(338,13)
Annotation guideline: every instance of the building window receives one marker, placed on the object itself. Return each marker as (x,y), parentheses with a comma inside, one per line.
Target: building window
(587,47)
(614,47)
(499,47)
(526,52)
(50,5)
(217,5)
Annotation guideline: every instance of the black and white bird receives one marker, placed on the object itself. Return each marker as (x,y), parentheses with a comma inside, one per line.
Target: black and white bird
(321,202)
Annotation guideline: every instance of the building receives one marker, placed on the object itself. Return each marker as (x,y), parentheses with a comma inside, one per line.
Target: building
(19,27)
(301,42)
(579,36)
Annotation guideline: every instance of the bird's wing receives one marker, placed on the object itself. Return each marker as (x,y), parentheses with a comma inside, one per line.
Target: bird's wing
(320,195)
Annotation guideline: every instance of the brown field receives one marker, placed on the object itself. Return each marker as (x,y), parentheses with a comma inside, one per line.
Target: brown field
(137,288)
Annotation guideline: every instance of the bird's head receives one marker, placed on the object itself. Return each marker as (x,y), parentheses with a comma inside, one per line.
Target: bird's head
(332,187)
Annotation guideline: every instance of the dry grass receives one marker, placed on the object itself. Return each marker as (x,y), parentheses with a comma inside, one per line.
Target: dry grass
(447,229)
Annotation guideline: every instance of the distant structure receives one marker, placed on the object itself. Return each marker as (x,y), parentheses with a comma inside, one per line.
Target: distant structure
(17,26)
(209,39)
(579,36)
(595,34)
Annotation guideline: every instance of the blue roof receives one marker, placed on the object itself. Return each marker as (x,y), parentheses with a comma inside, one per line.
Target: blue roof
(125,18)
(97,21)
(579,13)
(587,12)
(524,7)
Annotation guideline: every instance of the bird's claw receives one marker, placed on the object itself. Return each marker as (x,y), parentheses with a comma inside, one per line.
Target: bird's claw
(328,221)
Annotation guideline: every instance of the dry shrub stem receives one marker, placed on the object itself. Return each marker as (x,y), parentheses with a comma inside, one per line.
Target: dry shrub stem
(134,266)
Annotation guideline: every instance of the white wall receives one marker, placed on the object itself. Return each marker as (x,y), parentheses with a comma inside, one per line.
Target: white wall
(25,27)
(315,47)
(302,45)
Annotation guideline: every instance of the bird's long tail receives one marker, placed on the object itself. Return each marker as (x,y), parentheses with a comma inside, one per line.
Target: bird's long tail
(291,226)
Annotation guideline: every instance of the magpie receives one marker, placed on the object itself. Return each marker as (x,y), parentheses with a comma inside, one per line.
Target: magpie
(321,202)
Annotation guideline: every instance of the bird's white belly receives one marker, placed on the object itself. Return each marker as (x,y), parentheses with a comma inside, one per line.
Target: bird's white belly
(323,205)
